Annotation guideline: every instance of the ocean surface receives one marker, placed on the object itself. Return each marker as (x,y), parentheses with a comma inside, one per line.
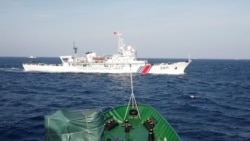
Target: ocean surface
(211,102)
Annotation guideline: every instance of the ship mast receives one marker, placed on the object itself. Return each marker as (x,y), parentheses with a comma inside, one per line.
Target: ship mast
(75,51)
(121,44)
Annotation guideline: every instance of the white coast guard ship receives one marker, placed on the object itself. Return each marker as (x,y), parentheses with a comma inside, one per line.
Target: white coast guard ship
(125,61)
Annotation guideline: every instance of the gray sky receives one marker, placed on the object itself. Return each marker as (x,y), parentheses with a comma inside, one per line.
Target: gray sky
(216,29)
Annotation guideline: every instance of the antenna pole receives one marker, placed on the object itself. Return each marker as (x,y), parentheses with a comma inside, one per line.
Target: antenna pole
(75,51)
(121,45)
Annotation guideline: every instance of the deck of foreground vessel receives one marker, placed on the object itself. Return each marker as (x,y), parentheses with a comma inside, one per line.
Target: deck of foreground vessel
(139,126)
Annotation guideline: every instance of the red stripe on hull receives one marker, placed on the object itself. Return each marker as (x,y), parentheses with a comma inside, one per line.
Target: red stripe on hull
(146,69)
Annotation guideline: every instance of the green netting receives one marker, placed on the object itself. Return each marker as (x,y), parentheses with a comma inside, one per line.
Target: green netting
(69,125)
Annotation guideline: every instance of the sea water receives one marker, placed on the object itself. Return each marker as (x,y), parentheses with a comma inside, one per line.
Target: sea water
(210,102)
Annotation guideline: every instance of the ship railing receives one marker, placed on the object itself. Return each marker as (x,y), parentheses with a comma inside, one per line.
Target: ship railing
(41,64)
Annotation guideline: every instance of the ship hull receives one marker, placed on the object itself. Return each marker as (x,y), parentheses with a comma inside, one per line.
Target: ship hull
(163,68)
(81,69)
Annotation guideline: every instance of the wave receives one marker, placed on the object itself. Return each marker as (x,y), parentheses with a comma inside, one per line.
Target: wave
(12,69)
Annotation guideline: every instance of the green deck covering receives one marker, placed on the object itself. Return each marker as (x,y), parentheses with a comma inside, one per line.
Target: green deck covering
(68,125)
(93,125)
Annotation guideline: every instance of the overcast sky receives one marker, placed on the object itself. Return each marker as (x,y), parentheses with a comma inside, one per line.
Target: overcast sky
(216,29)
